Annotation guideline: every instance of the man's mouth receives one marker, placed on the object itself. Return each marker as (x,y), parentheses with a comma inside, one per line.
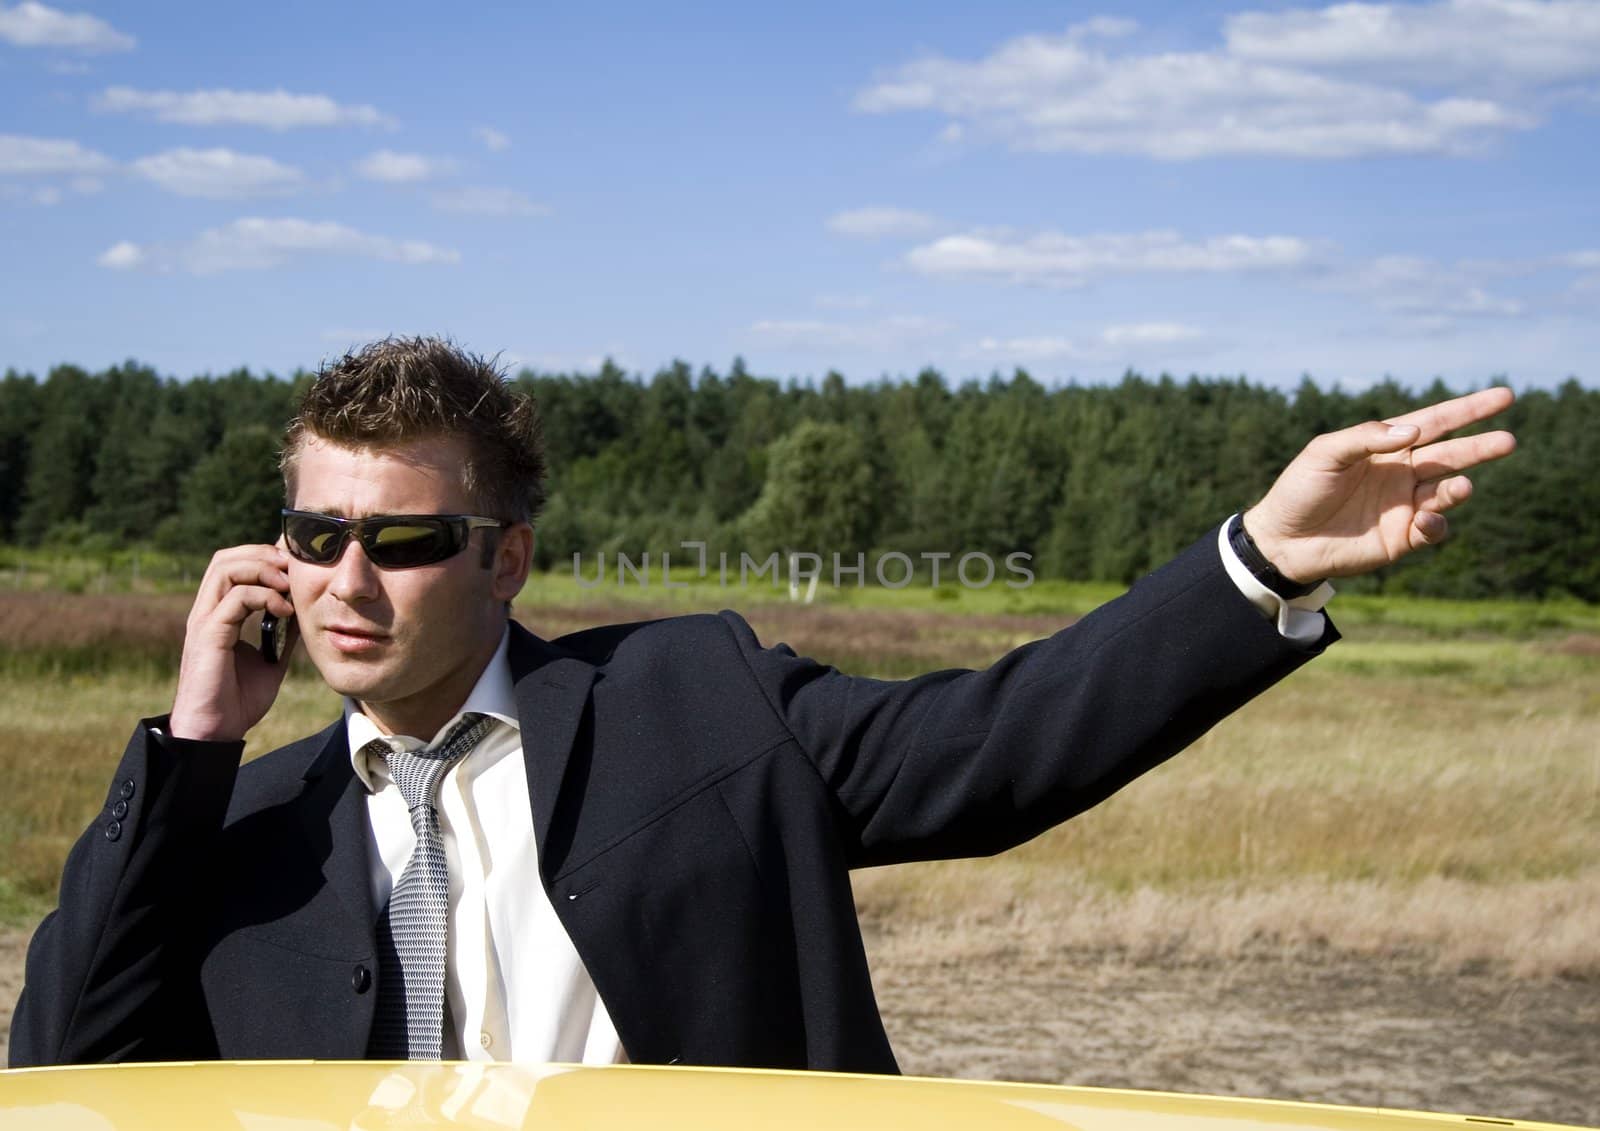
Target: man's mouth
(353,640)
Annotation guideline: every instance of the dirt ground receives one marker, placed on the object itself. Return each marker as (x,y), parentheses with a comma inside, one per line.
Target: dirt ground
(1325,1028)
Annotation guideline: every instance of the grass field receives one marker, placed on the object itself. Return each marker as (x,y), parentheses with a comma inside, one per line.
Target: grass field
(1431,785)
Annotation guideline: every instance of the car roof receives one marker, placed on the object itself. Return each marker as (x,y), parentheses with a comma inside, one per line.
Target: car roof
(312,1096)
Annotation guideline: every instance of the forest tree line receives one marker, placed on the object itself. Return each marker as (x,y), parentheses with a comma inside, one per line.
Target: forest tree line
(1100,482)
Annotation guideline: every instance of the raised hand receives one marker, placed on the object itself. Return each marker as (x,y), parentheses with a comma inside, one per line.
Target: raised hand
(224,684)
(1366,496)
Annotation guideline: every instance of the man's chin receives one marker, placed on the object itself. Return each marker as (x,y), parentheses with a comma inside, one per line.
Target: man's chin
(352,676)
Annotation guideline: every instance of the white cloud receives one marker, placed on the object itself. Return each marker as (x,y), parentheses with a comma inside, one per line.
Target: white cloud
(1064,93)
(488,202)
(1058,259)
(877,223)
(1501,43)
(31,24)
(45,156)
(812,334)
(271,109)
(217,173)
(257,244)
(43,196)
(1111,343)
(493,140)
(1027,350)
(1149,334)
(400,168)
(1424,296)
(122,256)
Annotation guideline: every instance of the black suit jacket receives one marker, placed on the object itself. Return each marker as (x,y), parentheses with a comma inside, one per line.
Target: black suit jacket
(697,800)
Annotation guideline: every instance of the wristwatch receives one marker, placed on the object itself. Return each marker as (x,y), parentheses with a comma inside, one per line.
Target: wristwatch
(1256,562)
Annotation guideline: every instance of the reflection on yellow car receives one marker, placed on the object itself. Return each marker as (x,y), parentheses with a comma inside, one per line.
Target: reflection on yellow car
(366,1096)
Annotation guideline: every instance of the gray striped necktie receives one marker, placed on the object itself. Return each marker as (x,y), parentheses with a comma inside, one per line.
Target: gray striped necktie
(409,1014)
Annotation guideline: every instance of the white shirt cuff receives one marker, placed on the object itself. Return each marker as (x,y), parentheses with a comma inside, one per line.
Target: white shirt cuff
(1299,619)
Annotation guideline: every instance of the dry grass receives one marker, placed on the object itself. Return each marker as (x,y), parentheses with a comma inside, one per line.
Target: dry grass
(1407,798)
(61,738)
(953,913)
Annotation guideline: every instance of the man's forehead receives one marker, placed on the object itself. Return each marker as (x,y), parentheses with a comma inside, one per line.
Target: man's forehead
(419,477)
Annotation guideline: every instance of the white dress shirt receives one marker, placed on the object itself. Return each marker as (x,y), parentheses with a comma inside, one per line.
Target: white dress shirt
(515,988)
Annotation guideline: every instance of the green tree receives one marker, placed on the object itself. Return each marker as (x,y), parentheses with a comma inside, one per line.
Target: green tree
(127,503)
(232,495)
(19,421)
(818,495)
(61,463)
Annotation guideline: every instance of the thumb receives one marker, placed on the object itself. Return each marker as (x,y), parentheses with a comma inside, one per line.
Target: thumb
(1350,446)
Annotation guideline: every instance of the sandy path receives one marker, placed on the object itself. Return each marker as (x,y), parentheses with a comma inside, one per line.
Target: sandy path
(1326,1028)
(1329,1029)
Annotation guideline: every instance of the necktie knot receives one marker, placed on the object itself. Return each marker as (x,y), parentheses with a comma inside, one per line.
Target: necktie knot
(417,773)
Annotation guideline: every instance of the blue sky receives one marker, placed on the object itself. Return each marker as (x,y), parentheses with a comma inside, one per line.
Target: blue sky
(1266,189)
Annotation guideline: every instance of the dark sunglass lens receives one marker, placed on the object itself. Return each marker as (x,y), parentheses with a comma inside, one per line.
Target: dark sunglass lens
(313,538)
(408,542)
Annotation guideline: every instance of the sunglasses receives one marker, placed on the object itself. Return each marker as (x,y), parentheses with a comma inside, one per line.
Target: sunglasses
(391,541)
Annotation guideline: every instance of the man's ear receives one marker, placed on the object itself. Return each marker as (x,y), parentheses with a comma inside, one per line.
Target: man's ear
(513,558)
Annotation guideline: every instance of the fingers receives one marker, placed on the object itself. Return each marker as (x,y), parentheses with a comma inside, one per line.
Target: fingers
(239,581)
(1447,457)
(243,600)
(224,687)
(1349,446)
(1441,419)
(1428,528)
(1440,495)
(241,566)
(1434,458)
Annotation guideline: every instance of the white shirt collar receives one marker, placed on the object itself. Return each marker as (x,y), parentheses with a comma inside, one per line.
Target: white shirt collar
(492,695)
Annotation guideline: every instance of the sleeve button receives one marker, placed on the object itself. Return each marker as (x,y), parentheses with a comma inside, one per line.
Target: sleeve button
(127,790)
(119,810)
(361,979)
(113,830)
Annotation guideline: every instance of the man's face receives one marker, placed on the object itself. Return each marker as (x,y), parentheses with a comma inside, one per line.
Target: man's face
(408,644)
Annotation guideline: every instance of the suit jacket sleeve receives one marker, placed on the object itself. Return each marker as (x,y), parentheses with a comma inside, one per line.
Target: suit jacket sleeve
(966,763)
(111,974)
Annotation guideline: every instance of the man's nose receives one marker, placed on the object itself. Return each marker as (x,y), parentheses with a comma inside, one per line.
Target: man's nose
(355,578)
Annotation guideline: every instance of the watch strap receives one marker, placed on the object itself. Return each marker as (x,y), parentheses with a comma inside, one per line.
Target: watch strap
(1263,570)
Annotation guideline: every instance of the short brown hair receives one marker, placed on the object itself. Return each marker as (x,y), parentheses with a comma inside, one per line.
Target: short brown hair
(397,390)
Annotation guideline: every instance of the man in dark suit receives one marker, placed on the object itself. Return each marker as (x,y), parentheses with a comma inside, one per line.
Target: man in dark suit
(632,842)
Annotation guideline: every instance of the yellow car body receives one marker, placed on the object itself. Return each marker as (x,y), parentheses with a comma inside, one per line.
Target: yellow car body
(352,1096)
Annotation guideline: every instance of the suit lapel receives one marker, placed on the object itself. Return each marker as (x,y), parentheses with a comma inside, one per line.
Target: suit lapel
(334,817)
(552,688)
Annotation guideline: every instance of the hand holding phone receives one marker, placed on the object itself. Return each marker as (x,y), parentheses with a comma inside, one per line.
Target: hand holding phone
(225,686)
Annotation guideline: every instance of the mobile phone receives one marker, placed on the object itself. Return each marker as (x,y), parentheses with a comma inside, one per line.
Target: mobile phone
(275,639)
